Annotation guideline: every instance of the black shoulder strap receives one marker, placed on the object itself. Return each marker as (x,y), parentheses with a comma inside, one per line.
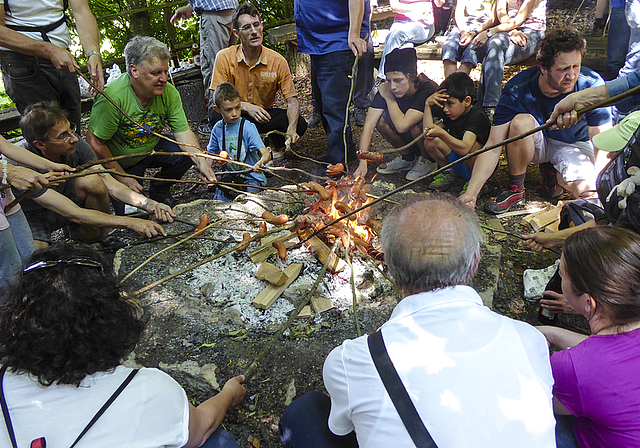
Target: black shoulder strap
(240,132)
(7,418)
(106,405)
(42,29)
(5,409)
(398,393)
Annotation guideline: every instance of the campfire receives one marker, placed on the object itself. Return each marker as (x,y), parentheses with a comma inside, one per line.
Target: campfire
(337,200)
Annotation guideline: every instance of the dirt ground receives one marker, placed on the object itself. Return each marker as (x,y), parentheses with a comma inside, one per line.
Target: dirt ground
(185,334)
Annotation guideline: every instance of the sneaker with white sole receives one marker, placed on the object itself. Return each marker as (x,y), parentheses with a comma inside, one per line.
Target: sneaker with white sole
(421,168)
(396,165)
(446,181)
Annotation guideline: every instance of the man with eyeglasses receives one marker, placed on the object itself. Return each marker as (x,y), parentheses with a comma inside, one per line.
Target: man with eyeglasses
(49,134)
(258,73)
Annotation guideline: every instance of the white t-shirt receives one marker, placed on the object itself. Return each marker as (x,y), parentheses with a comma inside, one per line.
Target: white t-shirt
(477,379)
(38,13)
(152,411)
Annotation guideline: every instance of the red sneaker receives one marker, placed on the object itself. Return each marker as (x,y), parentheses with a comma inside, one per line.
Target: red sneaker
(505,200)
(550,187)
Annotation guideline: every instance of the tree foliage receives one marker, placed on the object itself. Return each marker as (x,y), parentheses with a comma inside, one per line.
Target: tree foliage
(116,31)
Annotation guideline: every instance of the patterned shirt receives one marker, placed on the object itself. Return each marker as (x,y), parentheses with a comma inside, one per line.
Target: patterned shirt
(213,5)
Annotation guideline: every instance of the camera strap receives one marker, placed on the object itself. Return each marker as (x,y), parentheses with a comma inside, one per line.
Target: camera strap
(398,393)
(7,418)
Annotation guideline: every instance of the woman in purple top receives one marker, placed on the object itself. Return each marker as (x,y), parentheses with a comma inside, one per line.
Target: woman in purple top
(597,386)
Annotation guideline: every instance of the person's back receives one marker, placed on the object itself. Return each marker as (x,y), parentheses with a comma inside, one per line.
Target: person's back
(61,411)
(477,379)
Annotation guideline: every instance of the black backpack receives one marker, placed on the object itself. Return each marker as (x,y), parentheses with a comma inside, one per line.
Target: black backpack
(580,211)
(614,173)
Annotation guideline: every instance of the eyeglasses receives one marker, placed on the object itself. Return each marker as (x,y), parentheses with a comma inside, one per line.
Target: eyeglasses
(66,136)
(72,261)
(249,26)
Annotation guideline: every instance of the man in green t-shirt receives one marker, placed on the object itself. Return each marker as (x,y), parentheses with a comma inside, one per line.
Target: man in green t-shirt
(144,95)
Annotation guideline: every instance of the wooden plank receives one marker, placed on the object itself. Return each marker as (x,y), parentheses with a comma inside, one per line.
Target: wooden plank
(305,312)
(540,220)
(322,251)
(271,273)
(260,254)
(320,304)
(495,223)
(269,295)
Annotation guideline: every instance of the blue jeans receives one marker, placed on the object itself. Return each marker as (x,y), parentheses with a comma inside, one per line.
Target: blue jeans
(220,439)
(497,52)
(401,33)
(30,79)
(364,77)
(451,49)
(331,85)
(304,424)
(617,43)
(16,246)
(171,167)
(228,196)
(632,13)
(564,434)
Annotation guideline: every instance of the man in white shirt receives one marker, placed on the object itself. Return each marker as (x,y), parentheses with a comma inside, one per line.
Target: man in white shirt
(476,378)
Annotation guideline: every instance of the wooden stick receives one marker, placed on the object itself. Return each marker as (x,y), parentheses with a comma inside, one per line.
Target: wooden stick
(184,240)
(515,235)
(209,259)
(434,173)
(353,286)
(304,302)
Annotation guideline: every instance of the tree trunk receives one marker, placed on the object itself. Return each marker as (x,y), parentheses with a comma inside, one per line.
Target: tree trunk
(140,21)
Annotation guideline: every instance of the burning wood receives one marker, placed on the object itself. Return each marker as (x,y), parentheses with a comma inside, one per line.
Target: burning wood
(336,200)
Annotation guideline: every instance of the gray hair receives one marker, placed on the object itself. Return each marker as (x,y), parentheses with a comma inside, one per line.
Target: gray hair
(144,49)
(431,241)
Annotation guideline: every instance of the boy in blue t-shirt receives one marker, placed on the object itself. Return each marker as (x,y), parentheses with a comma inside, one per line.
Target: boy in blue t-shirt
(464,129)
(240,139)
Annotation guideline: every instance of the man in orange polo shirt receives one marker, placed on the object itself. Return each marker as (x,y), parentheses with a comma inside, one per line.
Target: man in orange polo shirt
(258,73)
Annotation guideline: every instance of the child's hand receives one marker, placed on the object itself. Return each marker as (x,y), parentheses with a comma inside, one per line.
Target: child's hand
(385,91)
(437,98)
(435,131)
(258,166)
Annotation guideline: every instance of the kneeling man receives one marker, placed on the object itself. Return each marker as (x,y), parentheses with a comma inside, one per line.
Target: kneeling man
(474,377)
(49,134)
(566,156)
(144,95)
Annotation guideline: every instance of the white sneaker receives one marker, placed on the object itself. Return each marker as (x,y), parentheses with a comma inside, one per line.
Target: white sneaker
(395,166)
(421,168)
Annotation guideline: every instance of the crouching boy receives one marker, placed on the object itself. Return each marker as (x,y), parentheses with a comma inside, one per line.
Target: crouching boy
(464,128)
(240,139)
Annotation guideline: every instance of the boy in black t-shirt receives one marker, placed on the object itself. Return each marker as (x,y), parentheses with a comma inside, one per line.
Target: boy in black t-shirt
(464,129)
(396,112)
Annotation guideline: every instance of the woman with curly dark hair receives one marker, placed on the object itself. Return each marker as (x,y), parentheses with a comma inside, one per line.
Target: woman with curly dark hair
(64,330)
(596,377)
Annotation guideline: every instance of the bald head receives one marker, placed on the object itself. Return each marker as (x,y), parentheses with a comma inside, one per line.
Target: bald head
(431,242)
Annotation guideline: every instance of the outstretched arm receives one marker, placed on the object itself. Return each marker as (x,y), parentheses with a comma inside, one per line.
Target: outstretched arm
(205,419)
(485,165)
(62,205)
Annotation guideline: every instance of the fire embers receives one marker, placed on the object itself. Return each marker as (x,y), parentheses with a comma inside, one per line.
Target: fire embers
(337,199)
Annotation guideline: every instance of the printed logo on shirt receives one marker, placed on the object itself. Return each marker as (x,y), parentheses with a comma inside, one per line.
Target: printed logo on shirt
(268,75)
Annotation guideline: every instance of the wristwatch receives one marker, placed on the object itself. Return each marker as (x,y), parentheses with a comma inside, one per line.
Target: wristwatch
(489,33)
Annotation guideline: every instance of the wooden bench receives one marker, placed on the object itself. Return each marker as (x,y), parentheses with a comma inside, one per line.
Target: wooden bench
(299,64)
